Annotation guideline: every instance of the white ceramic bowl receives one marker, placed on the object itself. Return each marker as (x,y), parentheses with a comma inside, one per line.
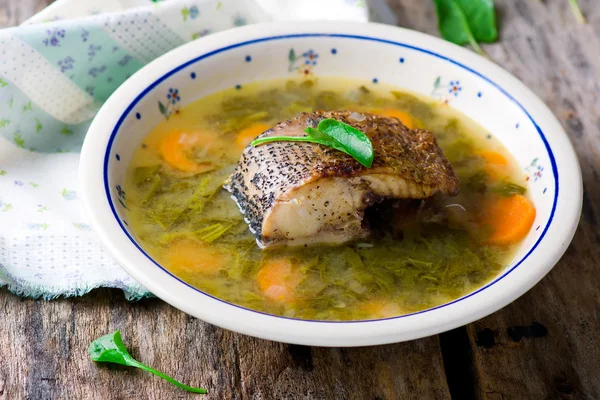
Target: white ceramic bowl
(410,60)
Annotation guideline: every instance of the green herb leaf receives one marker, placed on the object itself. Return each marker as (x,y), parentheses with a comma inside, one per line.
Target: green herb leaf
(162,108)
(334,134)
(144,174)
(211,233)
(324,139)
(577,11)
(110,348)
(314,136)
(356,143)
(467,21)
(477,182)
(508,189)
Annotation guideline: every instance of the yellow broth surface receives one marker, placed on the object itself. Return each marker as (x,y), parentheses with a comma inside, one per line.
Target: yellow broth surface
(186,221)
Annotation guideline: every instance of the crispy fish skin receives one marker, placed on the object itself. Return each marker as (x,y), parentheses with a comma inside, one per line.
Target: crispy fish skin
(298,193)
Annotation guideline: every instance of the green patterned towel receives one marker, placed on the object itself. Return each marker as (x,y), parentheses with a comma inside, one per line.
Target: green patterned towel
(56,70)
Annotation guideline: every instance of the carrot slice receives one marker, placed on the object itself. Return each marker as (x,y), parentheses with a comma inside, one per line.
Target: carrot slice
(248,134)
(511,219)
(192,257)
(173,148)
(404,117)
(277,279)
(381,309)
(493,157)
(495,164)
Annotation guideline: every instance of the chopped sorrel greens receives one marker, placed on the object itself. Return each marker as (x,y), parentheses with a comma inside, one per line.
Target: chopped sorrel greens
(439,250)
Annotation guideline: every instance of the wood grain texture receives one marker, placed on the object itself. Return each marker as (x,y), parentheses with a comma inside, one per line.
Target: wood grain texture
(543,346)
(546,344)
(13,12)
(560,61)
(44,356)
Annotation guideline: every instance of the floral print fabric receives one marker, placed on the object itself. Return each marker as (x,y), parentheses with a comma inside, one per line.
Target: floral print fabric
(56,71)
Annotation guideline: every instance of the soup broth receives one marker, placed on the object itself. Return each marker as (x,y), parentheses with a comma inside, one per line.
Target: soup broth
(186,221)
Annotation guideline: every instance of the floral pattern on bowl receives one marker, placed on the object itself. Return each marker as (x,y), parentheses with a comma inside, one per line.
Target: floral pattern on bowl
(413,61)
(171,106)
(304,63)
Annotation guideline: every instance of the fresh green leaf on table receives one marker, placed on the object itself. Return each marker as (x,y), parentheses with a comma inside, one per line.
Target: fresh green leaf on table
(577,11)
(335,134)
(110,349)
(467,21)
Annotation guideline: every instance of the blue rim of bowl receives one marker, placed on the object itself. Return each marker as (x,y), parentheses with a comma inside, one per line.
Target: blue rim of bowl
(341,36)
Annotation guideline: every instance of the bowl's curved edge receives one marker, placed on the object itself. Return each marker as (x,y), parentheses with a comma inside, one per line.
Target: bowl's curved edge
(92,196)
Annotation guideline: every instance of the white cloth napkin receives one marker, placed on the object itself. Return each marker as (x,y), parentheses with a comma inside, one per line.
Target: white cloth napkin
(56,70)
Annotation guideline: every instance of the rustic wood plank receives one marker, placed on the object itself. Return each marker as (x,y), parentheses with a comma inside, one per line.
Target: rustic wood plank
(44,356)
(13,12)
(545,345)
(44,348)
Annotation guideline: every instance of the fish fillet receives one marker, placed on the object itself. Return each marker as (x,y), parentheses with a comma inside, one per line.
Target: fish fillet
(298,193)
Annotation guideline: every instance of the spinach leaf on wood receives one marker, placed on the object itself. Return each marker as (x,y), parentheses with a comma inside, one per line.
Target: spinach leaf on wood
(577,11)
(467,21)
(110,348)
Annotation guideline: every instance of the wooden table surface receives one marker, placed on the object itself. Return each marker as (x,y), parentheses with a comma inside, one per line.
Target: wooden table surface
(545,345)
